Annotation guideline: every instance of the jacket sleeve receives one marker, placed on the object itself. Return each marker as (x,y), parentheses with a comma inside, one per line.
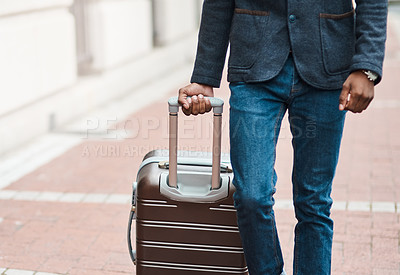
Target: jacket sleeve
(213,41)
(371,20)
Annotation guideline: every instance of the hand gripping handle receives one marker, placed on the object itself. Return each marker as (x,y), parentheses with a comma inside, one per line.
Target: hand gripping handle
(217,105)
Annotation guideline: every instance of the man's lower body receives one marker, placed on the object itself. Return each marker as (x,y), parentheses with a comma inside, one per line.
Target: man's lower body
(256,112)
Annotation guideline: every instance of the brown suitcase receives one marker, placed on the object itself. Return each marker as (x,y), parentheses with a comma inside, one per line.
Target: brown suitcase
(185,218)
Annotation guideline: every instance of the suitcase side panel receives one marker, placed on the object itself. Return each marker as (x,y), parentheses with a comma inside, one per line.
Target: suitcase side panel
(148,268)
(186,237)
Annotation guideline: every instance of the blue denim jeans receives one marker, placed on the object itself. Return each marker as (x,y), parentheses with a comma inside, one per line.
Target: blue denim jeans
(256,113)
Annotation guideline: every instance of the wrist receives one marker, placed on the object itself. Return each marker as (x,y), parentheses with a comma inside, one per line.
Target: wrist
(206,86)
(372,76)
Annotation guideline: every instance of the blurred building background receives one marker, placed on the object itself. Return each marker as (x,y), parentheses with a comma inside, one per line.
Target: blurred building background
(72,70)
(62,59)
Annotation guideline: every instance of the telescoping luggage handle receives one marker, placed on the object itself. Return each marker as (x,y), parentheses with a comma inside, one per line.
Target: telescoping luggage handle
(217,105)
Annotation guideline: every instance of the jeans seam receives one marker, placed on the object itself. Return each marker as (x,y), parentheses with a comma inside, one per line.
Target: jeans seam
(275,141)
(275,242)
(272,179)
(292,91)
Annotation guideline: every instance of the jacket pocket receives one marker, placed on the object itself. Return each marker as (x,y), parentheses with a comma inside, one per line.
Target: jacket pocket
(337,41)
(247,31)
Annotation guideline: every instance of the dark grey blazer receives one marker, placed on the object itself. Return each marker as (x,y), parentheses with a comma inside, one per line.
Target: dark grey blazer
(328,39)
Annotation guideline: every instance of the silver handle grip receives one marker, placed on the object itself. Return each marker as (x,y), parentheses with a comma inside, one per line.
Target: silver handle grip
(225,168)
(217,105)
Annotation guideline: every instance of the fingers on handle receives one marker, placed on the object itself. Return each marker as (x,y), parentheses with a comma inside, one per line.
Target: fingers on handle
(208,105)
(195,105)
(202,104)
(188,111)
(182,99)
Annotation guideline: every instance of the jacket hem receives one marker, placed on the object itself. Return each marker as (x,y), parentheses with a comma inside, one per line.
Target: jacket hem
(332,86)
(205,80)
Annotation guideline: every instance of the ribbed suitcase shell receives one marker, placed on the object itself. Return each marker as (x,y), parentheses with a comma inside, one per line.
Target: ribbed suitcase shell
(184,238)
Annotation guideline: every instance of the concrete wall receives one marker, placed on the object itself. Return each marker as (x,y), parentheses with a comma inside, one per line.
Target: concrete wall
(37,53)
(174,19)
(119,31)
(13,7)
(41,88)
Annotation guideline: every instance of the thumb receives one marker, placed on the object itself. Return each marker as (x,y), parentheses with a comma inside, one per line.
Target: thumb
(182,98)
(343,96)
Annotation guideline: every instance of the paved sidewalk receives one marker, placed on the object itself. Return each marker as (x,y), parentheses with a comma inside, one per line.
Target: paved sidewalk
(69,216)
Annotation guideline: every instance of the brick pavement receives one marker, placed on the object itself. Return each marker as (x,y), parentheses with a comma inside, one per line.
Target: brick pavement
(69,216)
